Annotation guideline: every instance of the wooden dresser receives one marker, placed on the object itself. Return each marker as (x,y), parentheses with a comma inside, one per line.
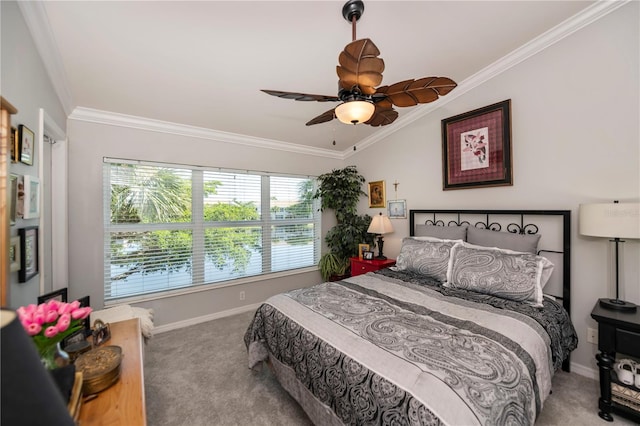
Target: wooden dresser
(124,402)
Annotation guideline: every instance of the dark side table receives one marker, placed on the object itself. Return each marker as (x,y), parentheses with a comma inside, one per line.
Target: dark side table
(618,332)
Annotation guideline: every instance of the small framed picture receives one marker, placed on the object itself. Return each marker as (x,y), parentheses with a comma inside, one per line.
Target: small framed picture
(31,208)
(367,255)
(101,332)
(361,249)
(376,194)
(397,209)
(13,199)
(14,254)
(29,254)
(59,295)
(14,144)
(27,144)
(77,337)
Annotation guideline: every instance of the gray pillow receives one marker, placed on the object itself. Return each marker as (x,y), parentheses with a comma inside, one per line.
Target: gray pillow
(502,273)
(444,232)
(429,257)
(505,240)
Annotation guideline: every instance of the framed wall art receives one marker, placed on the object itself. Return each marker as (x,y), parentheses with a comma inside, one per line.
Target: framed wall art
(397,209)
(476,148)
(31,209)
(14,254)
(28,253)
(13,198)
(376,194)
(26,147)
(14,144)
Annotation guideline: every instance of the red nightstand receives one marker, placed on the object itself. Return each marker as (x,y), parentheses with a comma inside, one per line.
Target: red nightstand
(361,266)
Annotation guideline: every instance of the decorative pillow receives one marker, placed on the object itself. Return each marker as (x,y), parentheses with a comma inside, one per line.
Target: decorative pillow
(444,232)
(425,255)
(504,240)
(502,273)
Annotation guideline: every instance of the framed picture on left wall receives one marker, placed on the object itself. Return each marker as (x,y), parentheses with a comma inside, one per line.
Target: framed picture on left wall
(31,197)
(26,146)
(28,253)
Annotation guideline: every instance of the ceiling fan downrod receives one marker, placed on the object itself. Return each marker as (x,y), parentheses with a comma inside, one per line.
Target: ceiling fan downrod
(352,11)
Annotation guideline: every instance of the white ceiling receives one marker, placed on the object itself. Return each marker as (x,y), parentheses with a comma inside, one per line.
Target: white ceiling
(203,63)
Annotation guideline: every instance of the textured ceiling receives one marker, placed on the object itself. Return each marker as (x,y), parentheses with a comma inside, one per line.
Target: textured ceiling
(203,63)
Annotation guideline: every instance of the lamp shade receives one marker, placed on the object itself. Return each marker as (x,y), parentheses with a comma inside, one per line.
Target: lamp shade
(610,220)
(29,394)
(354,112)
(380,224)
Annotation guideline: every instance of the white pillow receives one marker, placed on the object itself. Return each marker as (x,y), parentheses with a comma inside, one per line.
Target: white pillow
(500,272)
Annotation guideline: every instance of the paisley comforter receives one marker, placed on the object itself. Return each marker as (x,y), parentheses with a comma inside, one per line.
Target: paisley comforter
(398,348)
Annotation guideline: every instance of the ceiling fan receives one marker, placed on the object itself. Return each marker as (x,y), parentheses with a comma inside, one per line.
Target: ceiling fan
(360,70)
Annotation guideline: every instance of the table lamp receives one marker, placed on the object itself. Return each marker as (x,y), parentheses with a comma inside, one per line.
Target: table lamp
(380,225)
(29,394)
(615,221)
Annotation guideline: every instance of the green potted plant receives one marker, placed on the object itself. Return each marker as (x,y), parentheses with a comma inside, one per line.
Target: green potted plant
(340,190)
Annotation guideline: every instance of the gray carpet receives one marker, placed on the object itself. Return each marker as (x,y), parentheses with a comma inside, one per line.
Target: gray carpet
(199,376)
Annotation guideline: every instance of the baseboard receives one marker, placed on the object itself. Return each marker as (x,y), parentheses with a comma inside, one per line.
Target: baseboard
(580,369)
(197,320)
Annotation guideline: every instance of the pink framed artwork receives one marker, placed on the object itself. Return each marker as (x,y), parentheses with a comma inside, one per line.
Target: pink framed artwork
(476,148)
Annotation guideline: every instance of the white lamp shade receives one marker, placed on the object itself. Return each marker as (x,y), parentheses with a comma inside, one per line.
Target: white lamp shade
(380,224)
(354,112)
(610,220)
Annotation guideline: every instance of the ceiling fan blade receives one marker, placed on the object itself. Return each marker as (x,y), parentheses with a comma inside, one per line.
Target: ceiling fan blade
(322,118)
(301,96)
(360,66)
(413,92)
(382,116)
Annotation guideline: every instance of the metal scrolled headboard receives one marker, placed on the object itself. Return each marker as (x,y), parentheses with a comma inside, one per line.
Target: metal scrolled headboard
(491,219)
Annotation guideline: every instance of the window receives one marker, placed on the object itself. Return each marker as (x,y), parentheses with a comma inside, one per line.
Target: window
(174,226)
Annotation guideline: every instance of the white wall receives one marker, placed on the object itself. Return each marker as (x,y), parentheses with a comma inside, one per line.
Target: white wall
(575,137)
(89,143)
(27,86)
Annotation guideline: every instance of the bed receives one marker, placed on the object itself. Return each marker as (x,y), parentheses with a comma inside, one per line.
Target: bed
(467,329)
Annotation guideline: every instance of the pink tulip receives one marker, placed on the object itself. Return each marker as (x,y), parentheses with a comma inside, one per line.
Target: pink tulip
(64,319)
(62,325)
(33,329)
(75,305)
(26,322)
(30,308)
(80,313)
(38,317)
(50,331)
(64,308)
(53,305)
(50,316)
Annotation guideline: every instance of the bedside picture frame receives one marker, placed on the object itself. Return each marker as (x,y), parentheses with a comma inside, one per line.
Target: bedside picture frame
(397,209)
(377,194)
(367,255)
(26,147)
(476,148)
(361,249)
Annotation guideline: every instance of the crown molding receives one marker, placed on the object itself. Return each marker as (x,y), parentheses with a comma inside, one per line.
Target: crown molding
(141,123)
(35,16)
(580,20)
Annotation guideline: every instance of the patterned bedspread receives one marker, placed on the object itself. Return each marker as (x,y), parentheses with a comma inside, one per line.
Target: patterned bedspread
(396,348)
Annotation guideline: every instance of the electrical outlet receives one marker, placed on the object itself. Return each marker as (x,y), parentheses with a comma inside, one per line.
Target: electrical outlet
(242,295)
(592,335)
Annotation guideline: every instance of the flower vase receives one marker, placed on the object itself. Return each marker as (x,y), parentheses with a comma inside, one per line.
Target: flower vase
(53,357)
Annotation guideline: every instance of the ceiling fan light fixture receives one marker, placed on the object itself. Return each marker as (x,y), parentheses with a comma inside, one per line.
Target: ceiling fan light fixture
(354,112)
